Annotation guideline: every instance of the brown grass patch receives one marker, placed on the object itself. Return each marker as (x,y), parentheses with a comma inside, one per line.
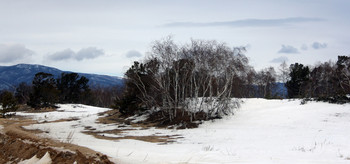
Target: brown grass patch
(182,120)
(41,110)
(153,138)
(113,116)
(14,129)
(63,120)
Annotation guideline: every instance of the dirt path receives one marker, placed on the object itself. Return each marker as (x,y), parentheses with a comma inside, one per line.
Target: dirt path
(18,144)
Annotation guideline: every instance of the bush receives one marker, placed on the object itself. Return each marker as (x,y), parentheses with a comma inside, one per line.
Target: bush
(335,100)
(8,103)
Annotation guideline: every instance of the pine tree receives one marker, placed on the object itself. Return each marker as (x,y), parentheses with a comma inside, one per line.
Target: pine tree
(8,103)
(72,88)
(45,93)
(299,75)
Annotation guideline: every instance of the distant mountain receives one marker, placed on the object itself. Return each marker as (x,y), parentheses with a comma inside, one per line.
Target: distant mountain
(280,90)
(11,76)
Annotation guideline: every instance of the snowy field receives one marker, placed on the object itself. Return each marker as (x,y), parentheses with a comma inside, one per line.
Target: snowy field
(261,131)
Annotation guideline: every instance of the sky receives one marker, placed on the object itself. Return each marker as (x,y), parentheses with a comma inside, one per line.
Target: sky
(106,36)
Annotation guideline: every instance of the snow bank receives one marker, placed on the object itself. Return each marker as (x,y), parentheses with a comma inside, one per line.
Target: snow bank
(46,159)
(32,160)
(261,131)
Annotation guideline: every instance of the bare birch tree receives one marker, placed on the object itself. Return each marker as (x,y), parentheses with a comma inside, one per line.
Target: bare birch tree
(192,78)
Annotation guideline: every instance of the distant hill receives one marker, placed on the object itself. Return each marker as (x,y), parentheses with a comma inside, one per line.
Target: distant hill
(11,76)
(280,90)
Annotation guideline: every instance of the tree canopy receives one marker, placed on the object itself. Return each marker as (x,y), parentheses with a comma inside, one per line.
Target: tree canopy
(8,103)
(68,88)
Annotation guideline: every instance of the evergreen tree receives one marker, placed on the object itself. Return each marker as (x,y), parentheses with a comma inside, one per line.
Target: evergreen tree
(131,101)
(45,93)
(299,76)
(72,88)
(8,103)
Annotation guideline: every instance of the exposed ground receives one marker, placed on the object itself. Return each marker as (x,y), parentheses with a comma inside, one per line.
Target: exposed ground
(18,144)
(113,116)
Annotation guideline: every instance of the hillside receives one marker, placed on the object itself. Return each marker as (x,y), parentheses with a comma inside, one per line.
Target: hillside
(11,76)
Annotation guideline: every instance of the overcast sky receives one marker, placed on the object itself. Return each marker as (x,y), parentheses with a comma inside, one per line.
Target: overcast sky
(105,36)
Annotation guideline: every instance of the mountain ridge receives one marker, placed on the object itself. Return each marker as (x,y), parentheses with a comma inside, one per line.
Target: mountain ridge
(11,76)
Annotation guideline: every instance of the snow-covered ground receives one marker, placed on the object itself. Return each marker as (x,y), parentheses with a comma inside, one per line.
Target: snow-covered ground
(261,131)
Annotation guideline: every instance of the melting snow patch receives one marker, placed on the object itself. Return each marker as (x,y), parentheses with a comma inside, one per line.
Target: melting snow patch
(46,159)
(32,160)
(136,118)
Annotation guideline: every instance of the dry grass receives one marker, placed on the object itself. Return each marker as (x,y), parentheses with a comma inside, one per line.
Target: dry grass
(14,128)
(63,120)
(114,116)
(153,139)
(41,110)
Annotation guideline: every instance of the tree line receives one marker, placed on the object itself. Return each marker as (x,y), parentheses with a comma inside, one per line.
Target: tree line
(45,91)
(204,77)
(329,81)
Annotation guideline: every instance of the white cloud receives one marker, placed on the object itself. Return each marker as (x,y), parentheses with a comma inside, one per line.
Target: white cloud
(89,53)
(304,47)
(84,53)
(318,45)
(279,59)
(288,49)
(14,52)
(62,55)
(133,53)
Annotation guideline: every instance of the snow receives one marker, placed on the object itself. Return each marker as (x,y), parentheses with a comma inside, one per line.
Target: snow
(261,131)
(136,119)
(46,159)
(32,160)
(65,111)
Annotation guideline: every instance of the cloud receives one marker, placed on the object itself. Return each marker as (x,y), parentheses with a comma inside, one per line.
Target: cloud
(14,52)
(84,53)
(88,53)
(62,55)
(279,59)
(318,45)
(247,22)
(304,47)
(132,54)
(288,49)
